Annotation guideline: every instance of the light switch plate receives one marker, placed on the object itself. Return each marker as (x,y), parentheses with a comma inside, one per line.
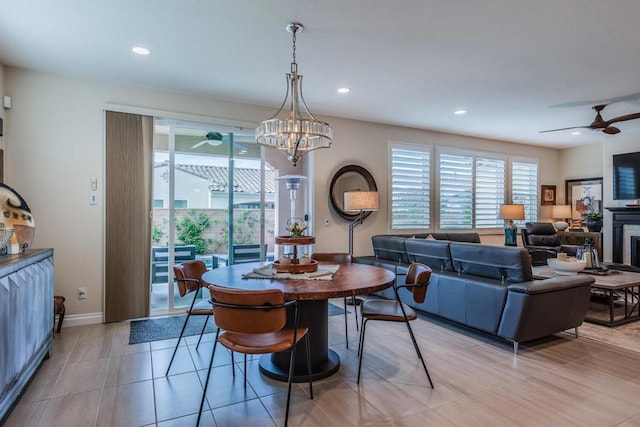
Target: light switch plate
(94,184)
(93,198)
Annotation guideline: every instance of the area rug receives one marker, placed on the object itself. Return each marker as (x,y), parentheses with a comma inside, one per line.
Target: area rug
(625,336)
(163,328)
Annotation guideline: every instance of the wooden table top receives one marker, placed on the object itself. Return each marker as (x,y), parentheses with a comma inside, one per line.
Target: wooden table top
(349,280)
(621,280)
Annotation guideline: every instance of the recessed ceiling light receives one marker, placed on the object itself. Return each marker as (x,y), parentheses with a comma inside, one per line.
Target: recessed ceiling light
(141,50)
(344,90)
(460,112)
(576,132)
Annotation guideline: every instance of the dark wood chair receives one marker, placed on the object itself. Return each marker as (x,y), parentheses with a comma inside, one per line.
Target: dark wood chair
(417,281)
(188,276)
(253,322)
(340,258)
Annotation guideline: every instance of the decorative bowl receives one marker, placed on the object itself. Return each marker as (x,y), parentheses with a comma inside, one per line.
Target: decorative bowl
(566,267)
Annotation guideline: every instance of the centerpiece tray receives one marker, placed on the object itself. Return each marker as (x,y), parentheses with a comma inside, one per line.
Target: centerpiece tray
(296,268)
(291,240)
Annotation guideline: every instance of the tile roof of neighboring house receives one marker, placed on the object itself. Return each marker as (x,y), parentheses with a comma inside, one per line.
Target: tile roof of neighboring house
(245,180)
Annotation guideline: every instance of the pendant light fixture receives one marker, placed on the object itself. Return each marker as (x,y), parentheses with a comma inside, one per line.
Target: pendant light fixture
(294,132)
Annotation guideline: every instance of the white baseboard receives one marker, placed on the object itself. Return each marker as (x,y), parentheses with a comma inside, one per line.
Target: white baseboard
(81,319)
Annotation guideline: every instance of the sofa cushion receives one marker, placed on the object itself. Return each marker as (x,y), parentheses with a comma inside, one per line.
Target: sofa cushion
(505,263)
(390,248)
(464,237)
(434,253)
(542,240)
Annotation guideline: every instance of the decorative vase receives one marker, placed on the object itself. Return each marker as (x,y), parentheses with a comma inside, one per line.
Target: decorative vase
(285,260)
(305,259)
(594,226)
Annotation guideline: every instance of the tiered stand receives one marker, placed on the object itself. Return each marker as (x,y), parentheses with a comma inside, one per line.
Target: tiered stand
(295,266)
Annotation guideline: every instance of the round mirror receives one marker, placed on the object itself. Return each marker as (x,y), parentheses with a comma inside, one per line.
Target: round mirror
(349,178)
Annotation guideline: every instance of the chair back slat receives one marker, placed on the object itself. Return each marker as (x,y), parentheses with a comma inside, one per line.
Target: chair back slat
(240,314)
(337,257)
(418,274)
(189,270)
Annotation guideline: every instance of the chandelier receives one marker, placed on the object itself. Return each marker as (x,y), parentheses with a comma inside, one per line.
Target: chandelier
(297,131)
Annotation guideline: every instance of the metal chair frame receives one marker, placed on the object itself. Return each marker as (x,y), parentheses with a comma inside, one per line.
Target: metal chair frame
(406,321)
(292,350)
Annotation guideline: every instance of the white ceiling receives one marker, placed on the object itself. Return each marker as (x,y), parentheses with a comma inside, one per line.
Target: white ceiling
(517,66)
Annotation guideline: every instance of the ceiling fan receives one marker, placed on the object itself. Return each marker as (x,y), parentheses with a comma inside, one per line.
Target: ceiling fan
(600,124)
(212,138)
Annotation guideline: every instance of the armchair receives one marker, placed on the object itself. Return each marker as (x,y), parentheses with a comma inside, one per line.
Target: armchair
(542,242)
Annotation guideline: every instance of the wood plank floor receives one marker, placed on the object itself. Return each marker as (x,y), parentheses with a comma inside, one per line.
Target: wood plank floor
(95,378)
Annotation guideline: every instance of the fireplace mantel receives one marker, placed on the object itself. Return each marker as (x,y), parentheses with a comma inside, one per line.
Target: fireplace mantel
(621,216)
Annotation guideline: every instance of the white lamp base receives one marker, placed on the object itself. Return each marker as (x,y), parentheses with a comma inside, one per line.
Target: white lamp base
(561,225)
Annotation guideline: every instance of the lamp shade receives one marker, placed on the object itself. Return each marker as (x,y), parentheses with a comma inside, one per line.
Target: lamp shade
(511,212)
(561,211)
(361,201)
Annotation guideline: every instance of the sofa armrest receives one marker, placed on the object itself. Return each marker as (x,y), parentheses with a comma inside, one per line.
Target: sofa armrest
(551,285)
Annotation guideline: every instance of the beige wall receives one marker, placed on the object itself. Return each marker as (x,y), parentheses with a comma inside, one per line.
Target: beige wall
(54,146)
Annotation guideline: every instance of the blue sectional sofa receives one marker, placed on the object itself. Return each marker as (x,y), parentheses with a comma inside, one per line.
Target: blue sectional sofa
(485,287)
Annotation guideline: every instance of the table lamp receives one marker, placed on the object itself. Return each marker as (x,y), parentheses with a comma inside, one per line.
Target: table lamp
(561,213)
(511,212)
(360,201)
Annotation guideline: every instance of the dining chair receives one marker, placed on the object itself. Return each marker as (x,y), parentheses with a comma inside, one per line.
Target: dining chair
(253,322)
(188,276)
(417,281)
(340,258)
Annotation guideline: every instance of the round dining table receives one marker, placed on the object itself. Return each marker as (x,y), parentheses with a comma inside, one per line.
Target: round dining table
(313,310)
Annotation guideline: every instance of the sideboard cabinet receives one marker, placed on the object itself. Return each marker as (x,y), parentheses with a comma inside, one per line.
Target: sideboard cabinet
(577,238)
(26,320)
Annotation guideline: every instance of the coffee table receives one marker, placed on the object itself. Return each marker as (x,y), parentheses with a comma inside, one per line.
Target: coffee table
(617,288)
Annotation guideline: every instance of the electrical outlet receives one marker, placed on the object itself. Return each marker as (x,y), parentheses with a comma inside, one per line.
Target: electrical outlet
(82,293)
(326,222)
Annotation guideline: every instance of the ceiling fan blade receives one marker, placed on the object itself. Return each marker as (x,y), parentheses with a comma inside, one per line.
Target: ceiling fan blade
(611,130)
(631,97)
(574,127)
(200,143)
(623,118)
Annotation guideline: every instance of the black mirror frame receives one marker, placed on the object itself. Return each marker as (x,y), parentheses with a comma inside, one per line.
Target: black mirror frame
(332,196)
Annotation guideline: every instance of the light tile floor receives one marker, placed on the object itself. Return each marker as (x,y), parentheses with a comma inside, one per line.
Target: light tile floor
(95,378)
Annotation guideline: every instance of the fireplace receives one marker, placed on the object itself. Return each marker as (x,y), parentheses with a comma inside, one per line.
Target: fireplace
(629,217)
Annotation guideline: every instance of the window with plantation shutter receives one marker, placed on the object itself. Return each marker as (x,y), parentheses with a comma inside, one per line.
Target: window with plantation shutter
(456,191)
(489,194)
(410,187)
(472,188)
(524,188)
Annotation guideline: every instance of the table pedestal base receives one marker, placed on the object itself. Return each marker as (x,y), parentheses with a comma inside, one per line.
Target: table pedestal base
(313,314)
(280,373)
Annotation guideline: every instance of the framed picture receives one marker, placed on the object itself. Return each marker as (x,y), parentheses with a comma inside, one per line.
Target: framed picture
(548,195)
(584,195)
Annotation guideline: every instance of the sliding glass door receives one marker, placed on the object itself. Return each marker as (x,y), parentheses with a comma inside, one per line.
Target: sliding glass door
(214,199)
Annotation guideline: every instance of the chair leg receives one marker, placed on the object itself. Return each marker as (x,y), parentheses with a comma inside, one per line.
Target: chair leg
(61,318)
(289,380)
(202,332)
(206,382)
(355,309)
(346,327)
(415,344)
(245,371)
(361,346)
(233,365)
(577,331)
(177,344)
(306,338)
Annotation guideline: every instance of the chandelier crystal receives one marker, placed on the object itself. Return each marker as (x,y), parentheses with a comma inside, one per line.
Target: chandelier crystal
(295,132)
